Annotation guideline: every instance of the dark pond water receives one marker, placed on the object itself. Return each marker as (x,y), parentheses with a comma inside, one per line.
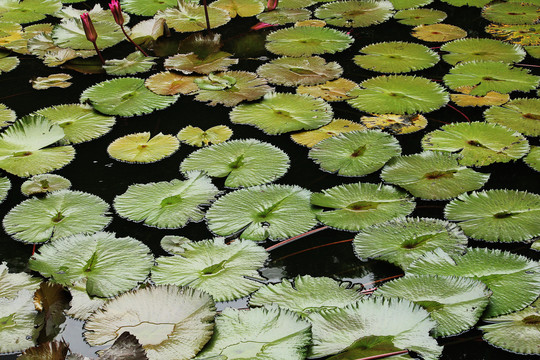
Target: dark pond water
(326,253)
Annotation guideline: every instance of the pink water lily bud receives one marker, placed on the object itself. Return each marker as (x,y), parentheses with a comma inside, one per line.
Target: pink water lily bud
(272,4)
(261,25)
(88,27)
(116,11)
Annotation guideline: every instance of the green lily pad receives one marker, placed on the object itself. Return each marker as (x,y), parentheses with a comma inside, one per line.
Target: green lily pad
(266,333)
(26,11)
(305,295)
(191,62)
(356,206)
(334,128)
(140,148)
(512,13)
(307,41)
(134,63)
(109,264)
(415,17)
(7,116)
(174,244)
(125,97)
(243,162)
(486,76)
(295,4)
(455,303)
(44,183)
(188,16)
(70,34)
(279,113)
(398,94)
(59,214)
(497,215)
(291,71)
(226,272)
(516,34)
(355,153)
(18,330)
(261,212)
(13,283)
(80,122)
(409,4)
(8,63)
(475,3)
(470,49)
(195,136)
(170,322)
(521,115)
(478,143)
(432,175)
(82,305)
(335,90)
(5,185)
(353,13)
(402,241)
(513,279)
(533,158)
(242,8)
(147,7)
(284,16)
(53,80)
(167,204)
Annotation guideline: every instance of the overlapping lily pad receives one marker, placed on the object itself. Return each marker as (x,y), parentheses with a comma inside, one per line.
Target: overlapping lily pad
(395,124)
(188,16)
(18,330)
(169,83)
(242,8)
(12,283)
(354,13)
(195,136)
(291,71)
(8,63)
(512,13)
(409,4)
(336,127)
(27,11)
(7,116)
(416,17)
(134,63)
(472,49)
(44,183)
(147,7)
(140,148)
(516,34)
(191,62)
(335,90)
(438,32)
(284,16)
(533,158)
(70,34)
(521,115)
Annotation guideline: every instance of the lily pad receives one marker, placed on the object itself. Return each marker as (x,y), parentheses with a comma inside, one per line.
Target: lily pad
(335,90)
(195,136)
(242,162)
(125,97)
(533,158)
(409,4)
(279,113)
(7,116)
(334,128)
(226,272)
(356,206)
(82,305)
(497,215)
(170,322)
(395,124)
(438,32)
(402,241)
(481,50)
(284,16)
(61,213)
(478,143)
(25,147)
(18,329)
(356,153)
(261,212)
(294,71)
(147,7)
(513,279)
(44,183)
(396,57)
(70,34)
(398,94)
(455,303)
(191,62)
(109,264)
(491,98)
(242,8)
(307,40)
(416,17)
(140,148)
(51,350)
(521,115)
(167,204)
(8,63)
(5,185)
(516,34)
(487,76)
(295,4)
(354,13)
(305,295)
(26,11)
(13,283)
(132,64)
(169,83)
(80,122)
(188,16)
(512,13)
(54,80)
(432,175)
(475,3)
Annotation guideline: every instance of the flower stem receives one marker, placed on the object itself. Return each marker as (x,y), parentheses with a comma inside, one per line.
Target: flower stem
(131,41)
(99,53)
(279,244)
(206,15)
(381,356)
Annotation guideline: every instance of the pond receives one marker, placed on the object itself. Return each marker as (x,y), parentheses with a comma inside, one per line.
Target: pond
(325,253)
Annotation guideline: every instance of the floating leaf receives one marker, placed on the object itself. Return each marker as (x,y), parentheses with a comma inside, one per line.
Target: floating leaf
(242,8)
(305,295)
(336,127)
(54,80)
(44,183)
(519,114)
(497,215)
(353,13)
(432,175)
(125,347)
(533,51)
(356,153)
(438,32)
(513,279)
(26,11)
(51,350)
(295,4)
(125,97)
(356,206)
(169,83)
(402,241)
(242,162)
(188,16)
(109,264)
(173,244)
(523,327)
(491,98)
(80,122)
(195,136)
(51,300)
(140,148)
(260,212)
(191,62)
(335,90)
(487,76)
(416,17)
(481,50)
(230,88)
(533,158)
(61,213)
(516,34)
(226,272)
(145,32)
(284,16)
(7,116)
(18,329)
(134,63)
(169,322)
(147,7)
(396,57)
(374,326)
(476,3)
(82,305)
(167,204)
(24,147)
(13,283)
(409,4)
(478,143)
(307,40)
(455,303)
(266,333)
(396,124)
(511,13)
(398,94)
(5,185)
(70,34)
(279,113)
(291,71)
(8,63)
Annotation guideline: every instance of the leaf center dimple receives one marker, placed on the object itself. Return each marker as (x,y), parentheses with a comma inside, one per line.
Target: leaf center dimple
(359,152)
(58,217)
(503,215)
(213,269)
(171,200)
(416,241)
(363,206)
(440,174)
(531,320)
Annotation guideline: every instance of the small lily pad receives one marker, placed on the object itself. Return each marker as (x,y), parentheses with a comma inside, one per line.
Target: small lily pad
(491,98)
(438,32)
(140,148)
(173,244)
(147,7)
(334,128)
(169,83)
(54,80)
(7,116)
(533,158)
(353,13)
(134,63)
(521,115)
(294,71)
(191,62)
(242,8)
(5,185)
(395,124)
(416,17)
(44,183)
(284,16)
(189,16)
(516,34)
(8,63)
(334,90)
(195,136)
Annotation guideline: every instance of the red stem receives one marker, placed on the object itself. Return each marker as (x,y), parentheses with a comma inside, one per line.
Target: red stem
(33,249)
(527,65)
(384,279)
(315,247)
(206,15)
(369,291)
(459,111)
(279,244)
(381,356)
(99,53)
(127,36)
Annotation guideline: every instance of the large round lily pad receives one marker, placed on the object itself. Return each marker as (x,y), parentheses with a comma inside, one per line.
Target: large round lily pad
(521,115)
(354,13)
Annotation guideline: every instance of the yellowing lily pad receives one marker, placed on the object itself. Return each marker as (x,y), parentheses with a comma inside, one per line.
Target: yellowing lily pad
(438,32)
(491,98)
(169,83)
(54,80)
(8,63)
(195,136)
(7,116)
(336,127)
(396,124)
(526,35)
(191,62)
(242,8)
(334,90)
(140,148)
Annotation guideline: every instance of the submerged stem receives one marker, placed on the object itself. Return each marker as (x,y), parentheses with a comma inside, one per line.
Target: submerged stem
(279,244)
